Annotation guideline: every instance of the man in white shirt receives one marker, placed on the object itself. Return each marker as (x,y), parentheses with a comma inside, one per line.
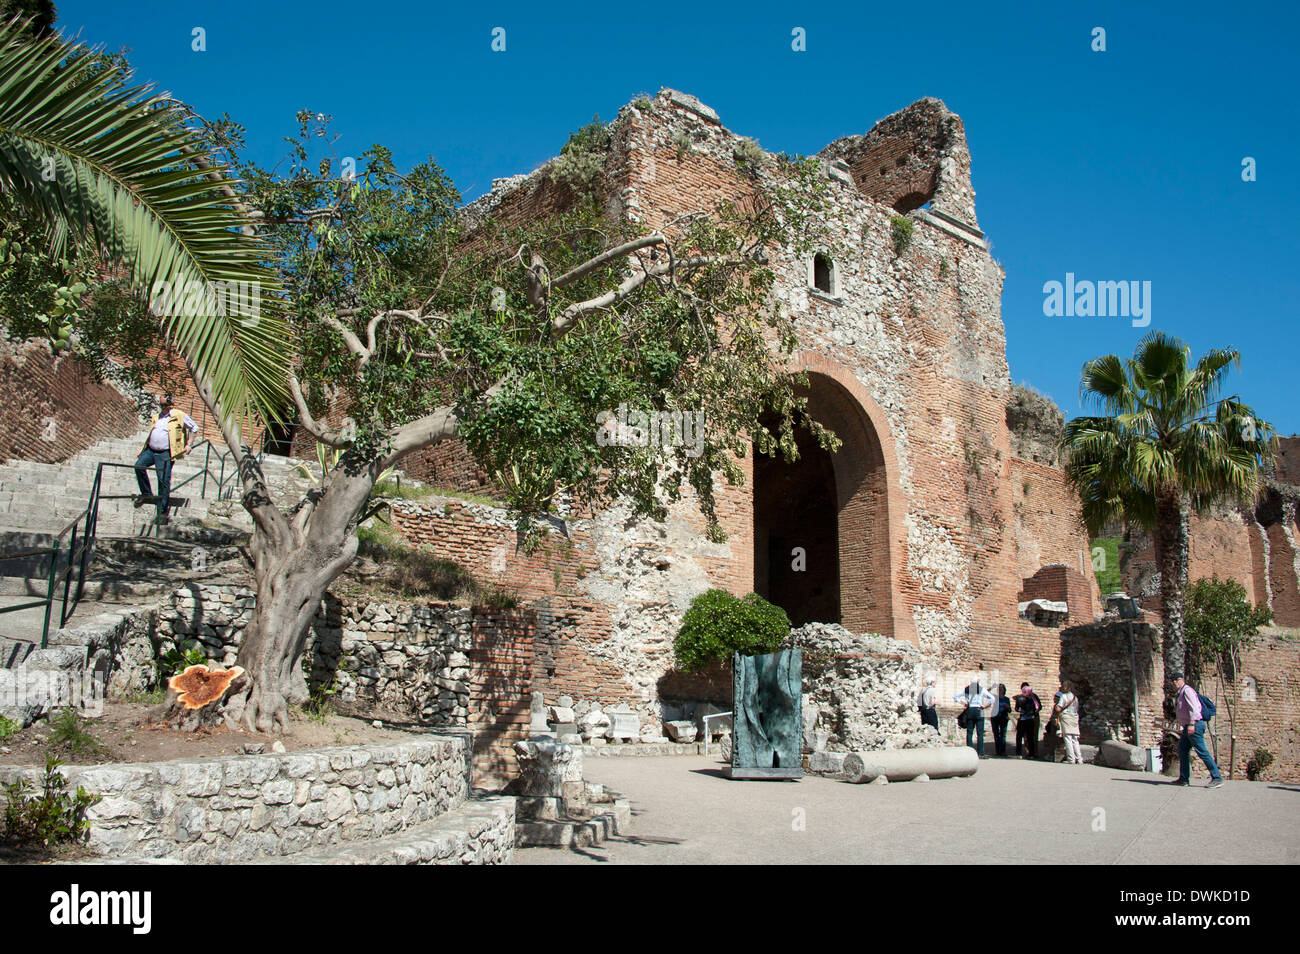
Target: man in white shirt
(925,703)
(169,439)
(977,700)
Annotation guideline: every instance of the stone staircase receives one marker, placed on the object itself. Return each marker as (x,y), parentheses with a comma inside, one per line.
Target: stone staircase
(39,499)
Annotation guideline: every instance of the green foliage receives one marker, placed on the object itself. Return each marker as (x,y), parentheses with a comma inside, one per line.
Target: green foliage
(943,266)
(901,229)
(581,163)
(110,175)
(8,729)
(177,660)
(49,816)
(68,732)
(1220,623)
(319,706)
(718,624)
(1107,568)
(1258,764)
(1165,431)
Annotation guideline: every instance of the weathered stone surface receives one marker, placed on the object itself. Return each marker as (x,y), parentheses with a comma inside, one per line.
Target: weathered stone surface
(545,766)
(681,731)
(1121,755)
(245,808)
(624,725)
(862,691)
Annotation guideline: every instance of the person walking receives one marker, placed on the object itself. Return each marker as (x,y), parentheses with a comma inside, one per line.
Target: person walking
(170,435)
(1191,721)
(1066,712)
(976,699)
(1001,716)
(925,703)
(1028,706)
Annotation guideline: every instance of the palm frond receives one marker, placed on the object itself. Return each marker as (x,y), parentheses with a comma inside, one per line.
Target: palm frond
(108,166)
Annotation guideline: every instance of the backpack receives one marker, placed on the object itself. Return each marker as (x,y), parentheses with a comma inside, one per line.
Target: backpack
(1208,708)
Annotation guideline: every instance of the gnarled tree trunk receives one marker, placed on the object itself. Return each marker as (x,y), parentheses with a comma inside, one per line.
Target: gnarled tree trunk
(295,562)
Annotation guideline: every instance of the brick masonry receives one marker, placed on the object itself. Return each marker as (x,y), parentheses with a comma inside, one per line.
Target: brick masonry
(1097,659)
(53,407)
(934,533)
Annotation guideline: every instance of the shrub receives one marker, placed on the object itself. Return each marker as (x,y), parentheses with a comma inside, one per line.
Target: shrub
(748,155)
(49,817)
(177,660)
(8,729)
(581,163)
(901,227)
(718,624)
(1258,764)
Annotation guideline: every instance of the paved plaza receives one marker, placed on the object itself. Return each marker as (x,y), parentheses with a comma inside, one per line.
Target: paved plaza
(685,812)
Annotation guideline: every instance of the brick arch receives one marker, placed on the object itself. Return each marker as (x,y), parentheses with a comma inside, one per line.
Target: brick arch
(873,543)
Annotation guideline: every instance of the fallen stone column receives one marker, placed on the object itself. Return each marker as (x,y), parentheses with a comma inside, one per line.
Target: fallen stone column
(901,765)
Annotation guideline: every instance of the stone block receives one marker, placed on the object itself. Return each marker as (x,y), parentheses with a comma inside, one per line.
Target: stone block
(681,731)
(1121,755)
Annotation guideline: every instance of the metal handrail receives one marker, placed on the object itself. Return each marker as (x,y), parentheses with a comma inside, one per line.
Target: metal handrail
(86,524)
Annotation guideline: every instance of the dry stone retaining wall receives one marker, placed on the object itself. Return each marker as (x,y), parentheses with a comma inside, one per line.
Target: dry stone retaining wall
(241,808)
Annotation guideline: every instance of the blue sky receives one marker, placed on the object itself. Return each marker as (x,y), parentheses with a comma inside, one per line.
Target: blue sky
(1116,165)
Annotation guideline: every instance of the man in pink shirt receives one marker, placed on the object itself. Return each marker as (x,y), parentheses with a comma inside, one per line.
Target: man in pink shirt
(1192,722)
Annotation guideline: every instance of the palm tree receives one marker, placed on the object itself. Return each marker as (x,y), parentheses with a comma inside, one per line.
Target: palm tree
(112,169)
(1167,445)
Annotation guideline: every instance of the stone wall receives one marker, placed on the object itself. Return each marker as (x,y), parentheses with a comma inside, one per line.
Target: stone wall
(906,356)
(1096,658)
(435,664)
(1266,706)
(243,808)
(860,691)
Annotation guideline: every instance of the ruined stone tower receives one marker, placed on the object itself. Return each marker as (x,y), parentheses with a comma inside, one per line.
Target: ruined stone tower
(926,526)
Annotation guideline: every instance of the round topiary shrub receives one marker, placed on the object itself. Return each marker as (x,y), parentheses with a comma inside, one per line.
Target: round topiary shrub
(718,624)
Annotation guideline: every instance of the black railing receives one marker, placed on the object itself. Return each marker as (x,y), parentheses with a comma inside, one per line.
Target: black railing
(82,530)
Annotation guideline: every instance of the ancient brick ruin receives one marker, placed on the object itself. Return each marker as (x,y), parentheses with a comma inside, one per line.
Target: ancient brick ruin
(929,522)
(944,509)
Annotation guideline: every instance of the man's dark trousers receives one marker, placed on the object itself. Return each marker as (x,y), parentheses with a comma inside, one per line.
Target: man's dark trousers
(161,461)
(975,727)
(1027,736)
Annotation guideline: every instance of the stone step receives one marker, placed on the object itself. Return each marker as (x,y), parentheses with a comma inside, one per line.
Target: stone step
(566,832)
(479,831)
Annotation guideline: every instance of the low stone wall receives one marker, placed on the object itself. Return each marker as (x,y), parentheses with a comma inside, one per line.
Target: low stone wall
(436,664)
(239,808)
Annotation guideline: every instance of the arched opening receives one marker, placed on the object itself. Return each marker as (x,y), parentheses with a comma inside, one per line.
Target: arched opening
(796,536)
(834,507)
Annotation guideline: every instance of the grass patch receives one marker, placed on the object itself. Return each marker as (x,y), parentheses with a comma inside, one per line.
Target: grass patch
(418,574)
(1106,564)
(392,490)
(153,697)
(901,229)
(69,733)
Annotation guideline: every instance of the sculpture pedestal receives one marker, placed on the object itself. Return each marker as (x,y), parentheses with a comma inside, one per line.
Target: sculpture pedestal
(775,773)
